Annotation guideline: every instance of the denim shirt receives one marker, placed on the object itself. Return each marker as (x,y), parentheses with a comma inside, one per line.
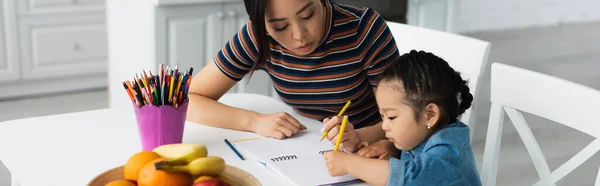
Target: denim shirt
(445,158)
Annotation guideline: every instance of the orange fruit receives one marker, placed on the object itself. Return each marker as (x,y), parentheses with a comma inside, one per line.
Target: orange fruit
(120,183)
(136,162)
(149,176)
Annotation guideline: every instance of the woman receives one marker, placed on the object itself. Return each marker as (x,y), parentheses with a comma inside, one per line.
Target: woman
(319,55)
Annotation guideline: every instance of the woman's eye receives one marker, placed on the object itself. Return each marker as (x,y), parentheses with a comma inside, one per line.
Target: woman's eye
(280,29)
(391,118)
(309,16)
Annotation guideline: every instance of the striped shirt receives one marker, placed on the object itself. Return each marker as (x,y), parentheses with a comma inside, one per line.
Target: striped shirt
(357,47)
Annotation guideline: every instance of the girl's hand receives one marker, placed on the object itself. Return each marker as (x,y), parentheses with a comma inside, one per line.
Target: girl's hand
(350,139)
(277,125)
(382,149)
(334,160)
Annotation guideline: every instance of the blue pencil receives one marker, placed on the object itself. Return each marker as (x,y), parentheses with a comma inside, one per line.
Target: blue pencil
(232,148)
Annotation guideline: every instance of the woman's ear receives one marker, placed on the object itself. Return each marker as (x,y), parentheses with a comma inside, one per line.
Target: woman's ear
(431,115)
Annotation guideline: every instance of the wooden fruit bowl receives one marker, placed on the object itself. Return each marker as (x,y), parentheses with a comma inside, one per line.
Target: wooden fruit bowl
(237,176)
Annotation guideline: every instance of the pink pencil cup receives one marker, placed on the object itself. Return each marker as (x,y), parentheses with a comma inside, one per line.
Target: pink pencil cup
(160,125)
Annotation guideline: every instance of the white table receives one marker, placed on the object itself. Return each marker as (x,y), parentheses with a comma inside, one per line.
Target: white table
(71,149)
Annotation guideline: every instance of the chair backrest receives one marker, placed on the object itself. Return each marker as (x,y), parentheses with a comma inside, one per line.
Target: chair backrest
(513,90)
(466,55)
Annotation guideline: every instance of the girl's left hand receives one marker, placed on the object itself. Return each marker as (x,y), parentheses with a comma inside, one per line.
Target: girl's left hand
(335,162)
(382,149)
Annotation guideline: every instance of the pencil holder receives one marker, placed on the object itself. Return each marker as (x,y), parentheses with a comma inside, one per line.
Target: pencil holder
(160,125)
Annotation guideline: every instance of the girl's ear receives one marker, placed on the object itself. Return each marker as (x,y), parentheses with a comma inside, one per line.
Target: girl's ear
(431,115)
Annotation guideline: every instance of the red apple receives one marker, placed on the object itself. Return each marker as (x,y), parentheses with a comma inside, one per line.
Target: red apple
(213,182)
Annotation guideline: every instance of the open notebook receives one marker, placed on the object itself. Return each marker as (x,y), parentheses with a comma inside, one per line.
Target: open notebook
(299,159)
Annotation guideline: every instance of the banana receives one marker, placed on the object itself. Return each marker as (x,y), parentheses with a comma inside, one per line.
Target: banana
(181,153)
(206,166)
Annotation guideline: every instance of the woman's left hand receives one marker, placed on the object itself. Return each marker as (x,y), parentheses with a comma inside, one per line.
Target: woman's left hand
(350,138)
(335,162)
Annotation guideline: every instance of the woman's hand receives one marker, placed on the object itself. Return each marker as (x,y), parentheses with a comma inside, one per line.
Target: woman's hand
(382,149)
(350,138)
(277,125)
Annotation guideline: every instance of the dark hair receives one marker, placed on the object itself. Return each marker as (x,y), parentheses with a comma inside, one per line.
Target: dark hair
(427,79)
(256,11)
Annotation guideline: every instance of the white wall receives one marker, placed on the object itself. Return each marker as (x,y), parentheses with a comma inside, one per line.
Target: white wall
(130,25)
(484,15)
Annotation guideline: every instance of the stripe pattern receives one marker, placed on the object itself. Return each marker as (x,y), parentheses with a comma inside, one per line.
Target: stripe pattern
(343,67)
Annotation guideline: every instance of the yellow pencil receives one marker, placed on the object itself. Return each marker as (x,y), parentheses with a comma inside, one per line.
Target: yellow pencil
(339,139)
(171,87)
(178,85)
(339,114)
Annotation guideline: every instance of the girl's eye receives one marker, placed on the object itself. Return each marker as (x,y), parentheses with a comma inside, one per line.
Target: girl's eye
(390,118)
(280,29)
(309,16)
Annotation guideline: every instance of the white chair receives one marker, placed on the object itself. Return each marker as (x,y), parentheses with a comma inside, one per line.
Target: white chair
(514,89)
(467,55)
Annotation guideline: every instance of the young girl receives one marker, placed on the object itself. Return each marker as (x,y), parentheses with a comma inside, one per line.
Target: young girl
(319,54)
(420,98)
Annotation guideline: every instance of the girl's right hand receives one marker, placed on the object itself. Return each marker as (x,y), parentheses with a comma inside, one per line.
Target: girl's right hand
(277,125)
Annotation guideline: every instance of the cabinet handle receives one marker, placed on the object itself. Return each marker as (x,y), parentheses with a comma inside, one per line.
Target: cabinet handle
(220,15)
(232,13)
(76,47)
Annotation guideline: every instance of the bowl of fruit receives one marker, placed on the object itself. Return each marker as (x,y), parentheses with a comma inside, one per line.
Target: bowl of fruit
(175,165)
